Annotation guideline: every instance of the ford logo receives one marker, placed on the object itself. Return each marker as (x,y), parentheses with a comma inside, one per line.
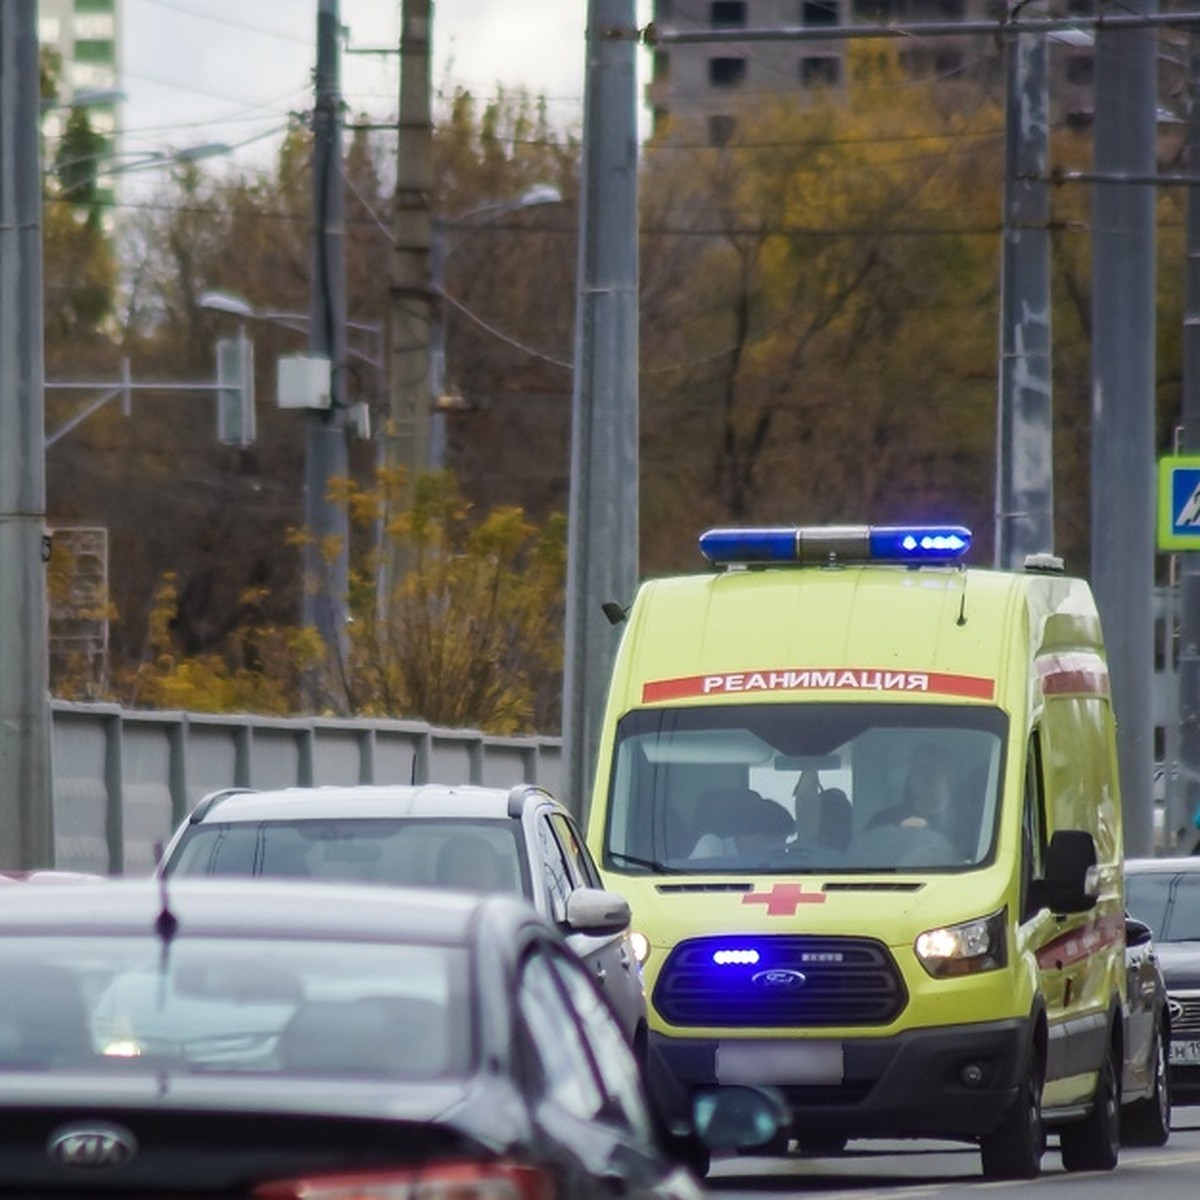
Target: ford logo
(778,978)
(91,1147)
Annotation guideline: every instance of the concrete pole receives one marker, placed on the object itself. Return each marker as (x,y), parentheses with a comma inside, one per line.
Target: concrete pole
(602,551)
(437,357)
(26,813)
(1024,439)
(1183,800)
(326,555)
(406,433)
(1123,376)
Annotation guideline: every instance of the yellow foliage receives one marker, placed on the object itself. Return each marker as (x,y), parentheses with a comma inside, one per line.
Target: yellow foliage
(469,637)
(472,630)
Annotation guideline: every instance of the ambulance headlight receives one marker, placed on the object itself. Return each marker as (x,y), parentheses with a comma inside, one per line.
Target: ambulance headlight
(966,949)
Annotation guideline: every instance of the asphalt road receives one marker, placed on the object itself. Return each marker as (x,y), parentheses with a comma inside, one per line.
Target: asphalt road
(913,1169)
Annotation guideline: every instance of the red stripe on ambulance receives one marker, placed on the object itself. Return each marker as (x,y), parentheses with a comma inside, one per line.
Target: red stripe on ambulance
(1079,945)
(1075,674)
(837,679)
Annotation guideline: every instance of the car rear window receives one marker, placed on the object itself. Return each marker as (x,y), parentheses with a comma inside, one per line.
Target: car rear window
(479,855)
(276,1007)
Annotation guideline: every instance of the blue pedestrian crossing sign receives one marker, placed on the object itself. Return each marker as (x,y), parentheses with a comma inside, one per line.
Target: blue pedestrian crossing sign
(1179,502)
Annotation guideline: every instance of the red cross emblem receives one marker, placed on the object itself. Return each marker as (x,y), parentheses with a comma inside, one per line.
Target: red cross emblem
(783,899)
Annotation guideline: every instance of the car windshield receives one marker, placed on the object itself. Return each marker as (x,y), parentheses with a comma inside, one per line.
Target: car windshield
(275,1007)
(1168,902)
(481,855)
(812,787)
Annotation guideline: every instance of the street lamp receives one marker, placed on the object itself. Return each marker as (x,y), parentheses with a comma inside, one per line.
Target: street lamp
(440,251)
(86,98)
(151,159)
(226,302)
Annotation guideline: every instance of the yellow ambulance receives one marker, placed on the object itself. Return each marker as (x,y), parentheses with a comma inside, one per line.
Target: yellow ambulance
(864,802)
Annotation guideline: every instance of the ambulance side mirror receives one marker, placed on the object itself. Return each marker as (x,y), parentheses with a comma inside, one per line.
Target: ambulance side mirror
(1070,883)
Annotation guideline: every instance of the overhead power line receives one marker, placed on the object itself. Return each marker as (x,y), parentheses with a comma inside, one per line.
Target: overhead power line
(229,22)
(655,36)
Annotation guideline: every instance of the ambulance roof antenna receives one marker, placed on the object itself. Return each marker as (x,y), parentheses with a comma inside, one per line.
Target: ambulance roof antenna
(962,602)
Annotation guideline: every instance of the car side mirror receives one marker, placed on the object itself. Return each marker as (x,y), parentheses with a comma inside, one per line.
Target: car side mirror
(1070,882)
(596,911)
(738,1117)
(1137,933)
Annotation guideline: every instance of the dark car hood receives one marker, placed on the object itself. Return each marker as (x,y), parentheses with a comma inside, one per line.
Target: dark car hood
(217,1134)
(1180,963)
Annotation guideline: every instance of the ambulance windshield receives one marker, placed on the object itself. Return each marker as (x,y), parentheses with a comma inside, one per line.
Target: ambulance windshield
(814,787)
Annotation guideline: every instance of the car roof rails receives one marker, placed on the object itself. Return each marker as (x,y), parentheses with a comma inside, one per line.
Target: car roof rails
(519,793)
(209,802)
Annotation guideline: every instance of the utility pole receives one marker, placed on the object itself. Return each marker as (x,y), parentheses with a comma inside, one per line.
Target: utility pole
(326,552)
(406,435)
(26,804)
(1024,460)
(1123,375)
(602,535)
(1183,802)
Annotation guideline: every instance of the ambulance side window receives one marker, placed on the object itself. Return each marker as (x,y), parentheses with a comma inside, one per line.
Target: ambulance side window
(1033,821)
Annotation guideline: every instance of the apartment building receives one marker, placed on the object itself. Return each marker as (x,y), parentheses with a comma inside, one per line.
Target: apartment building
(86,33)
(708,82)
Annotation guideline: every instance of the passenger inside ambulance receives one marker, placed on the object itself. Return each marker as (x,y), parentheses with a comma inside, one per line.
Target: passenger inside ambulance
(936,818)
(739,823)
(929,794)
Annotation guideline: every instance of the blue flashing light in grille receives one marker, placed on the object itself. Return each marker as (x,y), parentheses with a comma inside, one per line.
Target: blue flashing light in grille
(738,957)
(832,544)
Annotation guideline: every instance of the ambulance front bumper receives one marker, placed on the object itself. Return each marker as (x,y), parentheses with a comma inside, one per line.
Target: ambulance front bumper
(953,1081)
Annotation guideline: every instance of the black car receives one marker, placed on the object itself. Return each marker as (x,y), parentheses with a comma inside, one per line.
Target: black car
(1146,1086)
(1165,893)
(518,839)
(318,1042)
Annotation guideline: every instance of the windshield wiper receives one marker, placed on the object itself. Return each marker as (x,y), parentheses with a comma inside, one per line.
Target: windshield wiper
(651,864)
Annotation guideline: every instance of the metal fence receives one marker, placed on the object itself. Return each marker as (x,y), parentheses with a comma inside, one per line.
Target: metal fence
(123,779)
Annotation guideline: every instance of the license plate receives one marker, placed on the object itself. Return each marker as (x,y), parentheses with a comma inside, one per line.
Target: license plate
(779,1062)
(1185,1052)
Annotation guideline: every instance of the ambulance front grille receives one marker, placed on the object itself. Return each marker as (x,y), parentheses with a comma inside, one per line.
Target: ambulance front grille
(789,982)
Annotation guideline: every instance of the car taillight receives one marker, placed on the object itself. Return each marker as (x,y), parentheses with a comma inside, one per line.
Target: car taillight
(432,1181)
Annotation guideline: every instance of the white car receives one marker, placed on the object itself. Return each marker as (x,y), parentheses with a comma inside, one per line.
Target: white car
(471,838)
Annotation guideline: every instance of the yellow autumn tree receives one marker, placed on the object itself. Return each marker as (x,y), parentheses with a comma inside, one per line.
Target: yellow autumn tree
(471,635)
(819,309)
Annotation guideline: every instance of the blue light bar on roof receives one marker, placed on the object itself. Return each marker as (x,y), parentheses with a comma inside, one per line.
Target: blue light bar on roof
(750,545)
(825,544)
(933,543)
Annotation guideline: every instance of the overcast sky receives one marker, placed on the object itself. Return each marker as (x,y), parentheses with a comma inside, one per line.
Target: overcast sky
(230,71)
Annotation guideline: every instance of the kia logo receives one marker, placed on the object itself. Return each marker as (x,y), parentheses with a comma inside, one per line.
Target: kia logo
(778,979)
(91,1147)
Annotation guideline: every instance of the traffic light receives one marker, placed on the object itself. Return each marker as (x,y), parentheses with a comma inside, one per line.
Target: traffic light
(235,391)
